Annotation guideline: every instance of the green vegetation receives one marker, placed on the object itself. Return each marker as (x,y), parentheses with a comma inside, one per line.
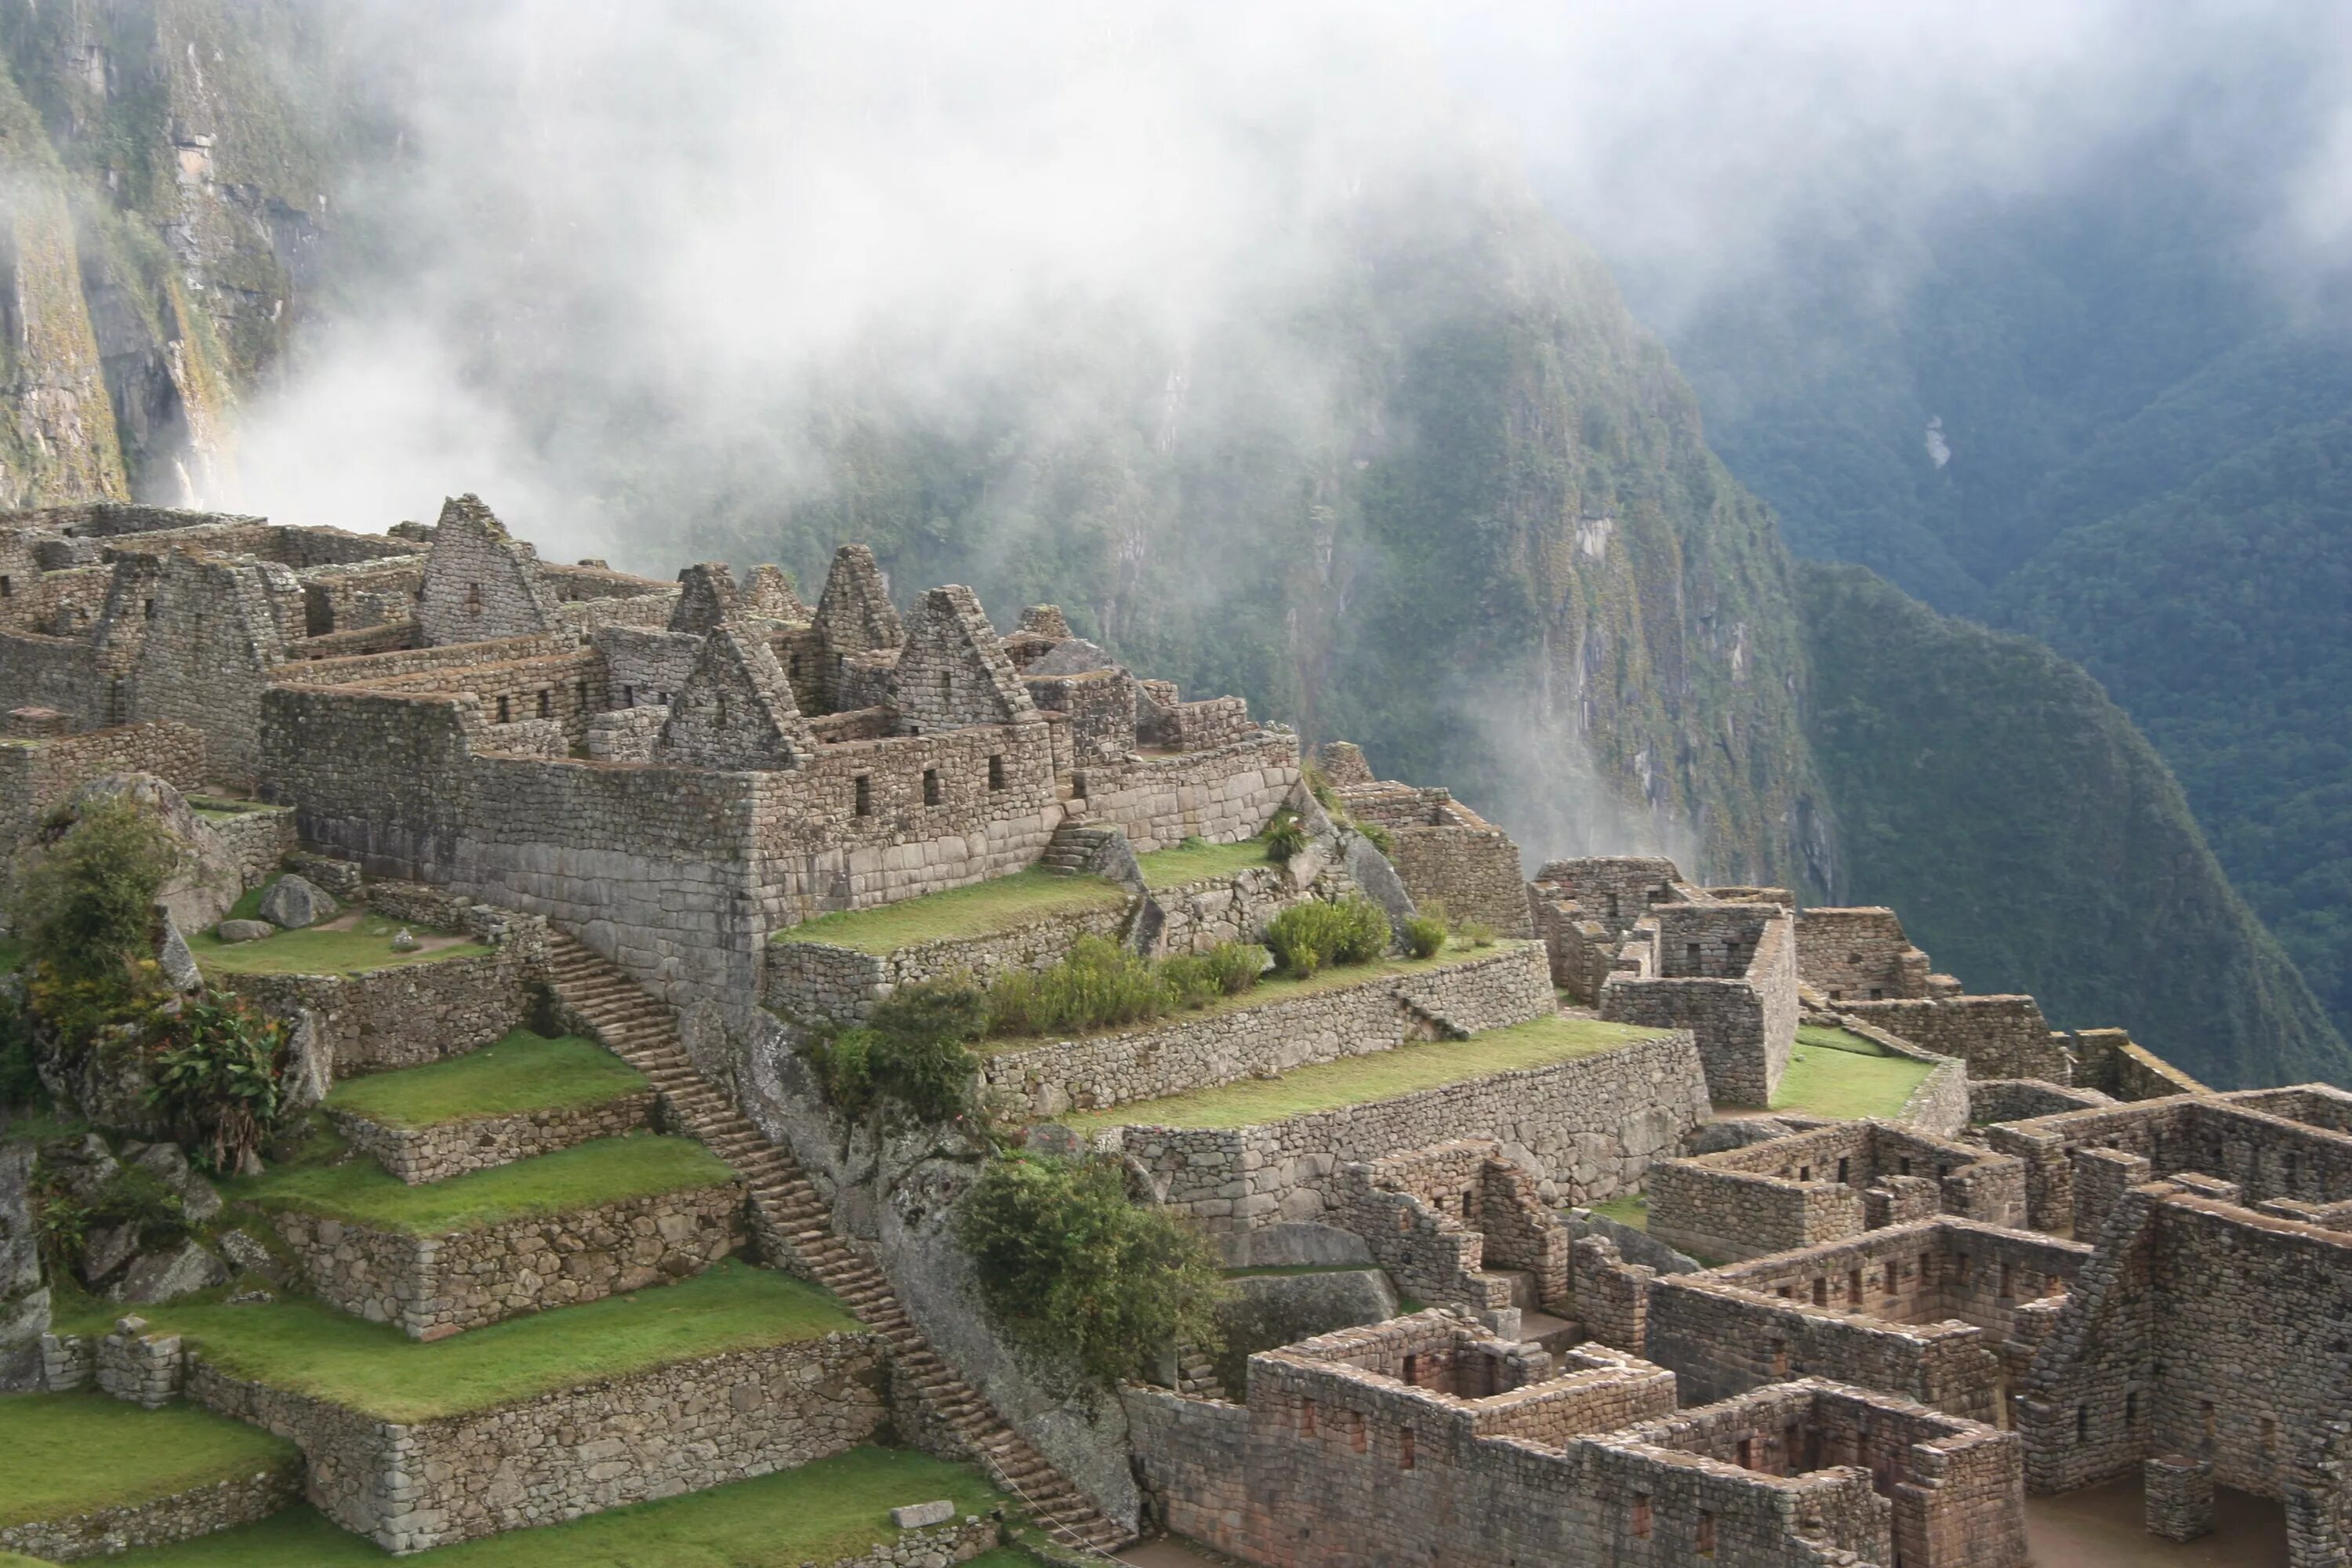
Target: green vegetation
(1630,1209)
(307,1347)
(1285,836)
(999,904)
(1101,985)
(603,1170)
(1965,764)
(822,1513)
(521,1072)
(1847,1079)
(215,1070)
(318,950)
(1198,860)
(1383,1075)
(85,911)
(69,1453)
(914,1056)
(1070,1264)
(1834,1039)
(1424,936)
(1306,937)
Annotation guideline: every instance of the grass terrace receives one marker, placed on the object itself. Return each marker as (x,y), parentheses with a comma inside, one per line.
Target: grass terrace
(984,908)
(1359,1080)
(1630,1209)
(1198,860)
(64,1454)
(822,1513)
(305,1346)
(1836,1074)
(603,1170)
(523,1072)
(1276,986)
(353,945)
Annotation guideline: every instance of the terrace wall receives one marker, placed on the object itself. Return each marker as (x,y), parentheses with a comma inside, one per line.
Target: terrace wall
(183,1516)
(435,1285)
(405,1014)
(1997,1036)
(811,980)
(421,1154)
(1858,954)
(36,775)
(679,1428)
(1589,1129)
(1223,793)
(1183,1052)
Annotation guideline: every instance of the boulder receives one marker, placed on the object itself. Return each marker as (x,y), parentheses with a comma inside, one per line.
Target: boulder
(247,1256)
(208,879)
(294,902)
(82,1165)
(171,1273)
(172,954)
(244,930)
(310,1064)
(106,1249)
(24,1301)
(917,1515)
(168,1163)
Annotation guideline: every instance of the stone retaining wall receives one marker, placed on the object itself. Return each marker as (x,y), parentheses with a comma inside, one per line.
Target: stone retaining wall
(679,1428)
(1198,916)
(420,1154)
(1997,1036)
(257,841)
(1589,1129)
(403,1016)
(36,775)
(1510,984)
(199,1510)
(814,981)
(440,1285)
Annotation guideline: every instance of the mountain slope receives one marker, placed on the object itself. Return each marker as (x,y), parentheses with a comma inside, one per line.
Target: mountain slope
(2033,840)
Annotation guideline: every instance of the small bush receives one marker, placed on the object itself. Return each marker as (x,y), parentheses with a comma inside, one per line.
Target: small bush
(1477,933)
(1424,936)
(1362,930)
(1070,1265)
(1318,785)
(1306,937)
(913,1060)
(844,1062)
(86,906)
(1101,985)
(1376,835)
(1237,965)
(215,1076)
(1285,836)
(20,1077)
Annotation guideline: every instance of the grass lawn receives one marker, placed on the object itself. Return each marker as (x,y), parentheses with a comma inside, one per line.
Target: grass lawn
(307,1347)
(1274,987)
(523,1072)
(999,904)
(1383,1075)
(1846,1080)
(1835,1040)
(69,1453)
(364,946)
(1632,1209)
(599,1171)
(835,1508)
(1197,860)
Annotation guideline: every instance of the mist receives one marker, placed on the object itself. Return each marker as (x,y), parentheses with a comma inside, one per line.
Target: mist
(649,279)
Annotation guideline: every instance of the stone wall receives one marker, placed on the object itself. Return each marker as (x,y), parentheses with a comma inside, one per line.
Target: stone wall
(1997,1036)
(183,1516)
(214,634)
(1589,1128)
(36,775)
(403,1016)
(2025,1099)
(1818,1185)
(1449,1000)
(1858,954)
(1223,793)
(2111,1062)
(679,1428)
(813,980)
(63,673)
(1101,708)
(257,841)
(435,1285)
(1727,974)
(420,1154)
(1474,871)
(479,580)
(1438,1219)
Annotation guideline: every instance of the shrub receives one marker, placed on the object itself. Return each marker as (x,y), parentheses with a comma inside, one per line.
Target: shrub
(1286,835)
(1101,985)
(1305,937)
(86,908)
(1070,1265)
(216,1076)
(1362,929)
(1235,965)
(913,1060)
(20,1077)
(1188,981)
(844,1062)
(1477,933)
(1377,834)
(1318,785)
(1424,936)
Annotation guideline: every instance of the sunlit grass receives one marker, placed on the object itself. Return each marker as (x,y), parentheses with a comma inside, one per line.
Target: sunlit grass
(1002,903)
(523,1072)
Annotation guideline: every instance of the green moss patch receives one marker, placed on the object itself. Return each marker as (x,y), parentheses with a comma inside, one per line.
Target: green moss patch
(1840,1081)
(822,1513)
(304,1346)
(64,1454)
(1198,860)
(984,908)
(1385,1075)
(603,1170)
(353,949)
(1632,1209)
(523,1072)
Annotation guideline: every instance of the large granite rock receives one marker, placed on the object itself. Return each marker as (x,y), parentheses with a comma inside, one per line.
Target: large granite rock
(244,930)
(23,1301)
(295,902)
(174,1273)
(172,954)
(209,878)
(168,1163)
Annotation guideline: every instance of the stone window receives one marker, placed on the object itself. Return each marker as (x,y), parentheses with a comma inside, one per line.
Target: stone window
(503,713)
(1821,1292)
(473,598)
(8,588)
(1780,1370)
(1358,1438)
(1079,785)
(793,666)
(864,793)
(150,608)
(1413,1370)
(1404,1447)
(2270,1436)
(580,695)
(1307,1417)
(2131,1408)
(546,703)
(1703,1543)
(628,697)
(1642,1515)
(996,773)
(1904,1165)
(947,687)
(1853,1286)
(1844,1165)
(931,786)
(1876,995)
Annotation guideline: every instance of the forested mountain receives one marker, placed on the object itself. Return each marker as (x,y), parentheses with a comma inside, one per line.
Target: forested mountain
(1424,484)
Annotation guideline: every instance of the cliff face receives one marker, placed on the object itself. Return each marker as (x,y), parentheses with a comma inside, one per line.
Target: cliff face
(170,168)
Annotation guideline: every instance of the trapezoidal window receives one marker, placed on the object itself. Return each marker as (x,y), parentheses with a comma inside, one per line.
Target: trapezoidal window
(864,805)
(1642,1515)
(503,713)
(547,704)
(996,773)
(7,587)
(473,598)
(931,786)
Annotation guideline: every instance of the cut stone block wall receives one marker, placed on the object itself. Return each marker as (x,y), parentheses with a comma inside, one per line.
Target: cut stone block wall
(813,980)
(1474,871)
(403,1016)
(1198,916)
(1507,985)
(1858,954)
(2025,1098)
(36,775)
(2109,1062)
(1997,1036)
(419,1155)
(678,1428)
(183,1516)
(1223,793)
(1589,1128)
(440,1285)
(257,841)
(1727,974)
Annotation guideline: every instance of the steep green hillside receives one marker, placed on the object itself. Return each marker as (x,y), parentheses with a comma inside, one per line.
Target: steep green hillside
(2033,840)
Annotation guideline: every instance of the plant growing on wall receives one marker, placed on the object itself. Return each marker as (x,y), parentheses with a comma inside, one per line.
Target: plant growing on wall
(85,912)
(215,1070)
(1305,937)
(913,1060)
(1070,1265)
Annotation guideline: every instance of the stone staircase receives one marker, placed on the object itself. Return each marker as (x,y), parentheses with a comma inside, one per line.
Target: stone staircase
(1196,1375)
(791,1221)
(1075,847)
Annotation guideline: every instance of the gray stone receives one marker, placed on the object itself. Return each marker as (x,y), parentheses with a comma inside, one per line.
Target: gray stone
(171,1273)
(106,1249)
(402,941)
(1636,1247)
(309,1064)
(1075,656)
(169,1164)
(171,955)
(207,878)
(917,1515)
(244,930)
(82,1165)
(247,1256)
(295,902)
(1293,1247)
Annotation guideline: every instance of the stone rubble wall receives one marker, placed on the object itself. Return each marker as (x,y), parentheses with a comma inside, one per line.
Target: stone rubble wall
(257,841)
(1223,793)
(37,775)
(1509,985)
(1998,1100)
(440,1285)
(1198,916)
(1997,1036)
(368,670)
(63,673)
(1589,1129)
(403,1016)
(183,1516)
(1744,1013)
(1858,954)
(813,981)
(2111,1062)
(679,1428)
(421,1154)
(1473,871)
